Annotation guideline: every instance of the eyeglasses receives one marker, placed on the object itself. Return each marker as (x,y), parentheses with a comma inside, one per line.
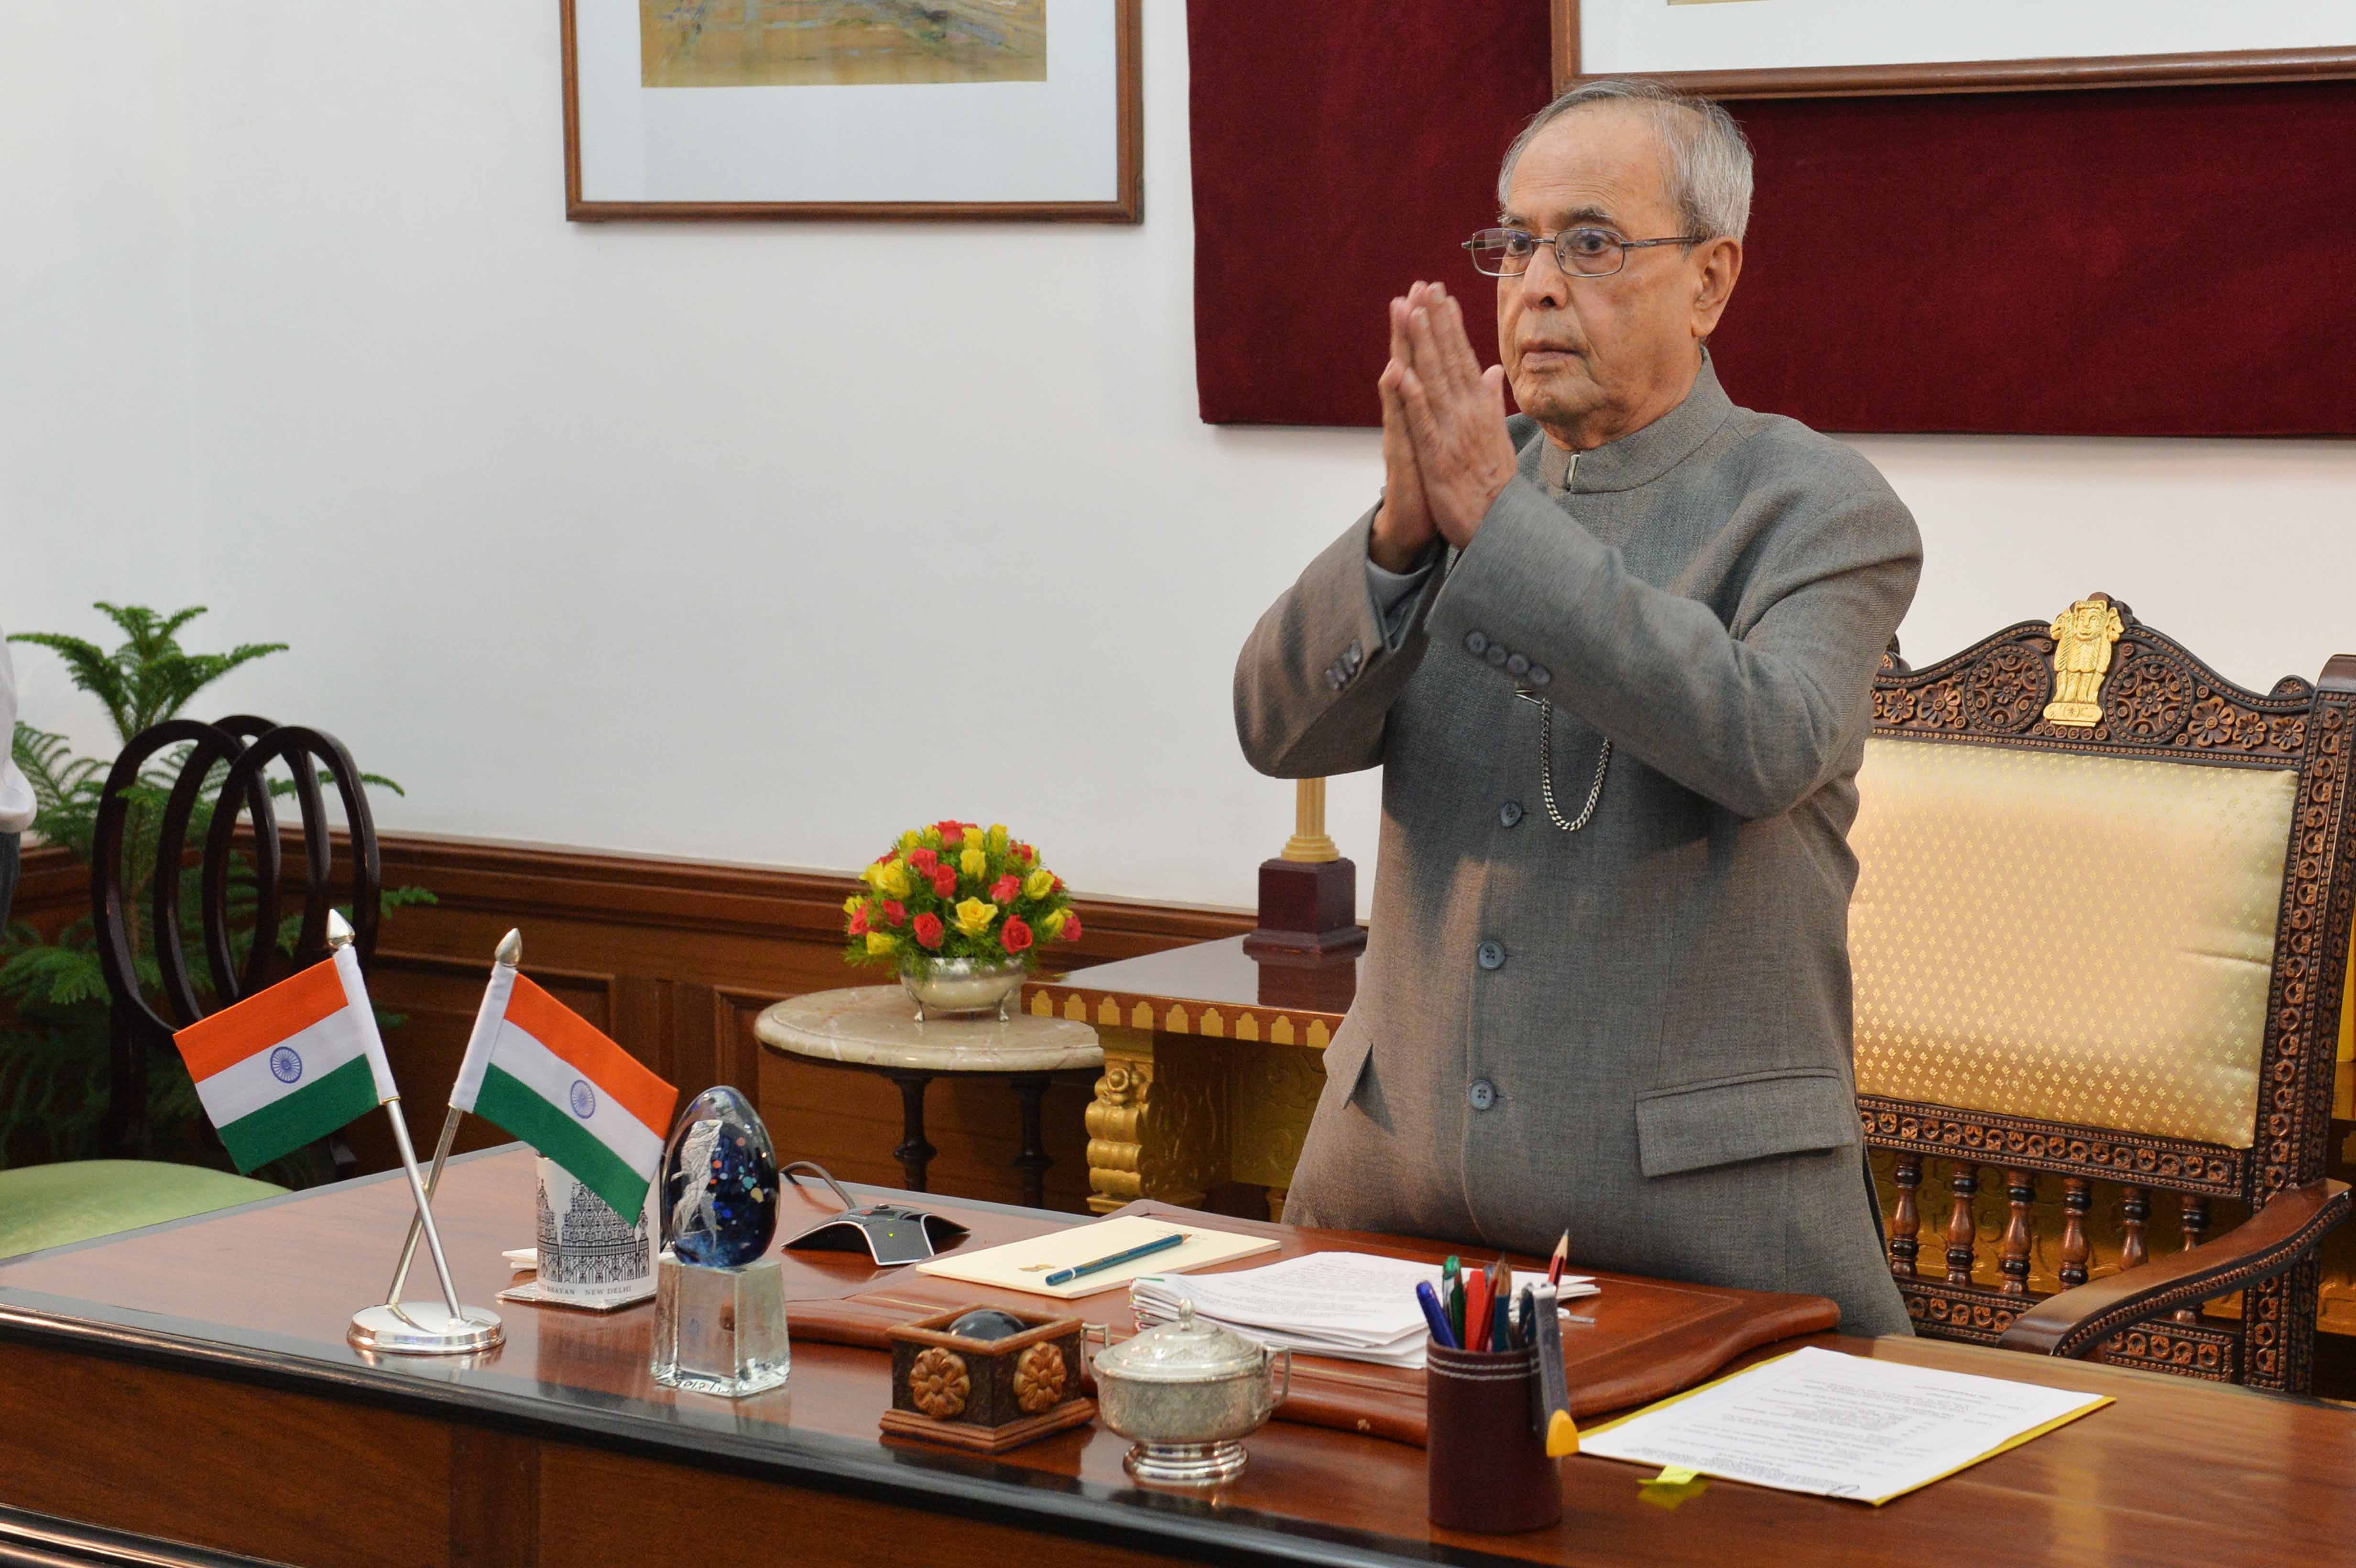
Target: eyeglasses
(1581,252)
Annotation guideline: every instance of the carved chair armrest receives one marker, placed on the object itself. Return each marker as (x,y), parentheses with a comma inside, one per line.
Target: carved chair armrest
(2075,1321)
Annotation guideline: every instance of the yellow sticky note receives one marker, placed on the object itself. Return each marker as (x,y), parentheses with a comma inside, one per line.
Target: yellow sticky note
(1674,1476)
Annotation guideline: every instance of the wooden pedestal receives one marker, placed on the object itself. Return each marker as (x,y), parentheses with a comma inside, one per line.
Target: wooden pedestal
(1308,907)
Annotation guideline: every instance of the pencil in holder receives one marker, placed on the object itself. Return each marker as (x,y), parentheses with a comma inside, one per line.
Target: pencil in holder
(1488,1470)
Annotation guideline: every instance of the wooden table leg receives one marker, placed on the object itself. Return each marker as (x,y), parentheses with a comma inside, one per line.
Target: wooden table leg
(913,1152)
(1034,1161)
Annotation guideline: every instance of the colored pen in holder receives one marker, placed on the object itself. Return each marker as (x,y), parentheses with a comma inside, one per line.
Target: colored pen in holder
(1488,1469)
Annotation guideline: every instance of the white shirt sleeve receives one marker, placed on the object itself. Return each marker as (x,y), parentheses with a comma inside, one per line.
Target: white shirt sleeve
(15,794)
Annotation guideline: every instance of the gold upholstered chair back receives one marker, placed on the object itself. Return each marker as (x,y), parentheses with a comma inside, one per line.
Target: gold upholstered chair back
(2099,936)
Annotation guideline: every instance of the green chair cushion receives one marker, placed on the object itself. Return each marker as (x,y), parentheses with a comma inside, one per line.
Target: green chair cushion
(50,1205)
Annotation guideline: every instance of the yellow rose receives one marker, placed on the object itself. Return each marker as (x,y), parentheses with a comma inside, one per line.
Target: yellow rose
(1039,883)
(910,840)
(1053,925)
(974,861)
(998,838)
(881,943)
(850,905)
(974,915)
(894,880)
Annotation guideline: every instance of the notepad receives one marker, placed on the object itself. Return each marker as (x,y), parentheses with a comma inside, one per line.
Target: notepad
(1025,1266)
(1839,1426)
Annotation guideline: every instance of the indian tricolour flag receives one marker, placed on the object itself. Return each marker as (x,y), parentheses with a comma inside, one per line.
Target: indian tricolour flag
(544,1072)
(291,1064)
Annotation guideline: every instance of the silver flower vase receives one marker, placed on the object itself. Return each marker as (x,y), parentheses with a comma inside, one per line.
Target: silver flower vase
(961,987)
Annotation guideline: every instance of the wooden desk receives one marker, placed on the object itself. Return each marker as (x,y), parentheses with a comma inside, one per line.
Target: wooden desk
(190,1383)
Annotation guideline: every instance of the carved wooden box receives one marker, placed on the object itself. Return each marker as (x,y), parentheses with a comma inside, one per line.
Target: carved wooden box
(988,1395)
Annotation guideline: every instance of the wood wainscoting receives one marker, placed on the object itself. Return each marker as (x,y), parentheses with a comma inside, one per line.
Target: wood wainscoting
(674,959)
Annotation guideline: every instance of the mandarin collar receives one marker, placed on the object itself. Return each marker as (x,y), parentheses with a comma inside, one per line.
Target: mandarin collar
(1642,456)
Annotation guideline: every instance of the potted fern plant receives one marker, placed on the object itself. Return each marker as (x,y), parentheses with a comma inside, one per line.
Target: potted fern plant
(53,1051)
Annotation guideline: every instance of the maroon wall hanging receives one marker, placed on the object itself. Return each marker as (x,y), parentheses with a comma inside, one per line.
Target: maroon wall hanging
(2137,261)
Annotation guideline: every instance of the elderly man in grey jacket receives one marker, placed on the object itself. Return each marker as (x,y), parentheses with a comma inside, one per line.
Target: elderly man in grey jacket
(1614,656)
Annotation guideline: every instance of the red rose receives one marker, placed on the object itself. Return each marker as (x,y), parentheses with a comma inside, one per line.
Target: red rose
(952,834)
(1002,891)
(928,930)
(925,860)
(1024,854)
(858,921)
(945,882)
(895,912)
(1071,932)
(1016,937)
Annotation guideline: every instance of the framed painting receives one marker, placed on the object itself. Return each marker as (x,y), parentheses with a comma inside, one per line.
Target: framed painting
(853,109)
(1809,48)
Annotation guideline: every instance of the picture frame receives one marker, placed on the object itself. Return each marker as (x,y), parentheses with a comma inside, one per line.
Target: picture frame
(2027,72)
(1085,140)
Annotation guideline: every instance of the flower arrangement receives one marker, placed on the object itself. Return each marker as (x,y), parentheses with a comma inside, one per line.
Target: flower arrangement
(957,891)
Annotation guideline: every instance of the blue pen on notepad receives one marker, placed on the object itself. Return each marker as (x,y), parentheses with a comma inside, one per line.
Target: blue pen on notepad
(1429,1299)
(1160,1244)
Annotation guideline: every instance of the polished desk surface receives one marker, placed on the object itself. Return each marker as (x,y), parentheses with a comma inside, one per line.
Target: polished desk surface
(2175,1471)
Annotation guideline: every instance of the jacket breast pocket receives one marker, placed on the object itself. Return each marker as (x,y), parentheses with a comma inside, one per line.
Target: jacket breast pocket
(1751,1115)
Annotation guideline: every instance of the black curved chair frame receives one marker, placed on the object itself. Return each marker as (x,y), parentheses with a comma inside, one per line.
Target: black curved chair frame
(247,745)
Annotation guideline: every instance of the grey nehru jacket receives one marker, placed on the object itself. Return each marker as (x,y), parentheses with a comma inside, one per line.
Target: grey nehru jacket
(1638,1030)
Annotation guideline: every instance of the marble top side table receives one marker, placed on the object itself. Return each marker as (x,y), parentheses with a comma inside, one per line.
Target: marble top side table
(876,1028)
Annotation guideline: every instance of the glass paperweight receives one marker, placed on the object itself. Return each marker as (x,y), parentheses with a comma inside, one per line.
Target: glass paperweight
(720,1303)
(719,1183)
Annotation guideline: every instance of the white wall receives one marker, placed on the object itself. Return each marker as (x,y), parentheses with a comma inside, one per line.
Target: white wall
(760,541)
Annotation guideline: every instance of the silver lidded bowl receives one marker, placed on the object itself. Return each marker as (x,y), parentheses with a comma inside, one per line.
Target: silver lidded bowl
(1185,1393)
(960,987)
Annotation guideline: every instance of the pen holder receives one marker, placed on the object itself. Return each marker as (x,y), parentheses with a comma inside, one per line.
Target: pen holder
(1488,1471)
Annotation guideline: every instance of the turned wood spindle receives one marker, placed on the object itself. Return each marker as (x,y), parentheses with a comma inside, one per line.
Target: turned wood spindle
(1906,1219)
(2077,1200)
(2020,1186)
(2195,1210)
(2136,1207)
(1965,1182)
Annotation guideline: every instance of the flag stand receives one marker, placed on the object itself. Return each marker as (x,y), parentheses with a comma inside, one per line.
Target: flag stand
(415,1328)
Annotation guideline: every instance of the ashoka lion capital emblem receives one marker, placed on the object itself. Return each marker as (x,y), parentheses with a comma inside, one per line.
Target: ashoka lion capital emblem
(2082,638)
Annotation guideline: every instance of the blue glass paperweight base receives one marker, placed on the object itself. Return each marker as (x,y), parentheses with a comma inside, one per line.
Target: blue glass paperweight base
(721,1330)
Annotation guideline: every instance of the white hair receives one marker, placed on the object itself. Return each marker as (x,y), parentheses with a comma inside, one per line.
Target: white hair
(1709,157)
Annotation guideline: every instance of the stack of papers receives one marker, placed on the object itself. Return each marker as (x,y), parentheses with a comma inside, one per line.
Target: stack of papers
(1839,1426)
(1354,1306)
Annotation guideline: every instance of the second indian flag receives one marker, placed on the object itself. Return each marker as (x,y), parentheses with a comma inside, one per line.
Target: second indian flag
(544,1072)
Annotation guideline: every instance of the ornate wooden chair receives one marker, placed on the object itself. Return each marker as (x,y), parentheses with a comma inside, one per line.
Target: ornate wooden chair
(50,1205)
(2100,933)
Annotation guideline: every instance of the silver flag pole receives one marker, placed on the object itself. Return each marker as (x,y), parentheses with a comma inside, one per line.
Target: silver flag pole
(509,955)
(392,1327)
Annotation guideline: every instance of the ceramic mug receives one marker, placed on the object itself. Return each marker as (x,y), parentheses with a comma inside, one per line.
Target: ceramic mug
(589,1255)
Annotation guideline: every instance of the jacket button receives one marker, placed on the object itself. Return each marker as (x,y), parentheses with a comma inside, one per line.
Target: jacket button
(1482,1094)
(1509,814)
(1497,654)
(1517,663)
(1475,642)
(1354,658)
(1492,955)
(1539,674)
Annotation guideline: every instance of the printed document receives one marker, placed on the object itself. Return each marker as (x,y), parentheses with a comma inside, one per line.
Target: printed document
(1839,1426)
